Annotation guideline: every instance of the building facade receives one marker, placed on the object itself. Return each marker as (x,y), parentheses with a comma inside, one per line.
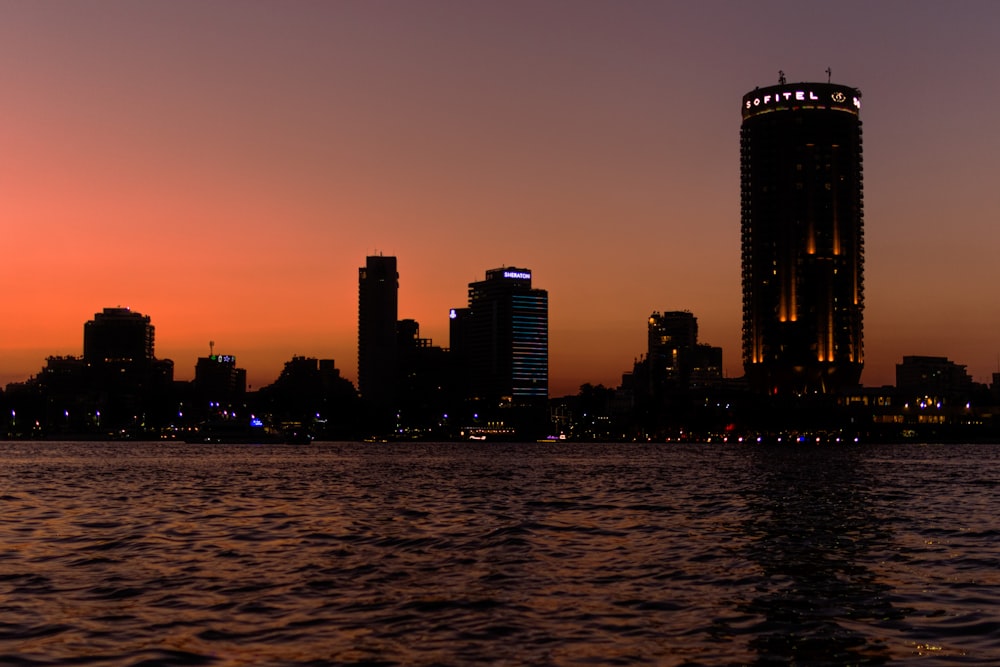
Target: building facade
(118,335)
(502,338)
(937,379)
(675,357)
(124,381)
(218,381)
(802,238)
(378,307)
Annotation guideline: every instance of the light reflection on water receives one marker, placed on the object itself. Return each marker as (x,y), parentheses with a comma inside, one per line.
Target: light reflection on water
(132,553)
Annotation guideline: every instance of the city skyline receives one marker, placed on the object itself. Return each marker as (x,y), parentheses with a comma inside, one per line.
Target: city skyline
(223,168)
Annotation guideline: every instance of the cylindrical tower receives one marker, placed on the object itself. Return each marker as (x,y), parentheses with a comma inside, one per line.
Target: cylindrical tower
(802,238)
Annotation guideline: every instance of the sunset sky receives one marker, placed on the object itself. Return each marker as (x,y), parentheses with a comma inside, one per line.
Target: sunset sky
(225,167)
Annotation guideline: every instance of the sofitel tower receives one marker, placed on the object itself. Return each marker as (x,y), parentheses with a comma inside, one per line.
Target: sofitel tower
(802,238)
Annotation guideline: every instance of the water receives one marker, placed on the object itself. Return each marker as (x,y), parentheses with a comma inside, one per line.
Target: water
(461,554)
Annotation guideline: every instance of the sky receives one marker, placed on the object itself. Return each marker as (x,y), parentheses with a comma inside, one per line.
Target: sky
(226,167)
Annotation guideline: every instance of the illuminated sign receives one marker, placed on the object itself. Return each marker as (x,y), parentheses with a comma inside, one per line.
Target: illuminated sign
(519,275)
(223,358)
(452,314)
(808,95)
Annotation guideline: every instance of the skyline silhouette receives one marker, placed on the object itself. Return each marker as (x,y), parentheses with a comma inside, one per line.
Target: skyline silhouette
(223,167)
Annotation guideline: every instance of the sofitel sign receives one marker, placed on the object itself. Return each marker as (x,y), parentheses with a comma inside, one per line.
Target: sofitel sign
(766,100)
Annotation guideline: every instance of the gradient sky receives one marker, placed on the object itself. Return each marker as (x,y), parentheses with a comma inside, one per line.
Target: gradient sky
(225,167)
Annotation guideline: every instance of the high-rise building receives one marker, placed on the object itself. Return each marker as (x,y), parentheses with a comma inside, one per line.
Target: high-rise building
(118,334)
(672,337)
(802,237)
(504,338)
(378,306)
(676,359)
(128,383)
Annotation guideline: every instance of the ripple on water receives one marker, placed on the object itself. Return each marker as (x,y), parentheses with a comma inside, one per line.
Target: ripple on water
(519,554)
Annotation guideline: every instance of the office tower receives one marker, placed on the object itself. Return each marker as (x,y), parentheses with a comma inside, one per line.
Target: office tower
(378,288)
(802,238)
(118,335)
(503,338)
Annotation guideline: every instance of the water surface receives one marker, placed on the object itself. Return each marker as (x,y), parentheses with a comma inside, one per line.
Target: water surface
(460,554)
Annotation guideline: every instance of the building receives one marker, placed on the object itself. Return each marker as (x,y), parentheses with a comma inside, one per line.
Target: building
(426,384)
(217,380)
(502,339)
(378,306)
(310,395)
(672,337)
(124,381)
(802,238)
(933,379)
(118,335)
(676,359)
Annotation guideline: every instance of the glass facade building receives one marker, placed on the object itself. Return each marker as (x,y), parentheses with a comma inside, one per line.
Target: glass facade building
(503,337)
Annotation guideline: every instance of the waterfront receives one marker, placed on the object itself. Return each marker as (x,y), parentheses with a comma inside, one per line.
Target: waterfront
(341,553)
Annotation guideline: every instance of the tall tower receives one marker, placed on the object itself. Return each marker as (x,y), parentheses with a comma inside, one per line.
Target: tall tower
(378,306)
(802,238)
(505,337)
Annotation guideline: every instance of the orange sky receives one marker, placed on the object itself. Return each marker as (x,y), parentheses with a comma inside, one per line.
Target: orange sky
(226,167)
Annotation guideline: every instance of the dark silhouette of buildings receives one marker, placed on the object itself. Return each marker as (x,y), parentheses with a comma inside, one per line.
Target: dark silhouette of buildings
(675,357)
(378,306)
(669,385)
(118,335)
(935,379)
(309,395)
(426,382)
(217,381)
(802,238)
(118,386)
(127,383)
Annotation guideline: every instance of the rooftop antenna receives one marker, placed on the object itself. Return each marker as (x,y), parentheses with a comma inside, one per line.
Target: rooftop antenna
(829,74)
(781,77)
(211,347)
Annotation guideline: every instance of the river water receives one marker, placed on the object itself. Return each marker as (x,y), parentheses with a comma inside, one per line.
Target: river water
(510,554)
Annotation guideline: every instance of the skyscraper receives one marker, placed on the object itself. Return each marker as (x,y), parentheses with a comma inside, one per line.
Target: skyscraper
(802,237)
(378,305)
(505,338)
